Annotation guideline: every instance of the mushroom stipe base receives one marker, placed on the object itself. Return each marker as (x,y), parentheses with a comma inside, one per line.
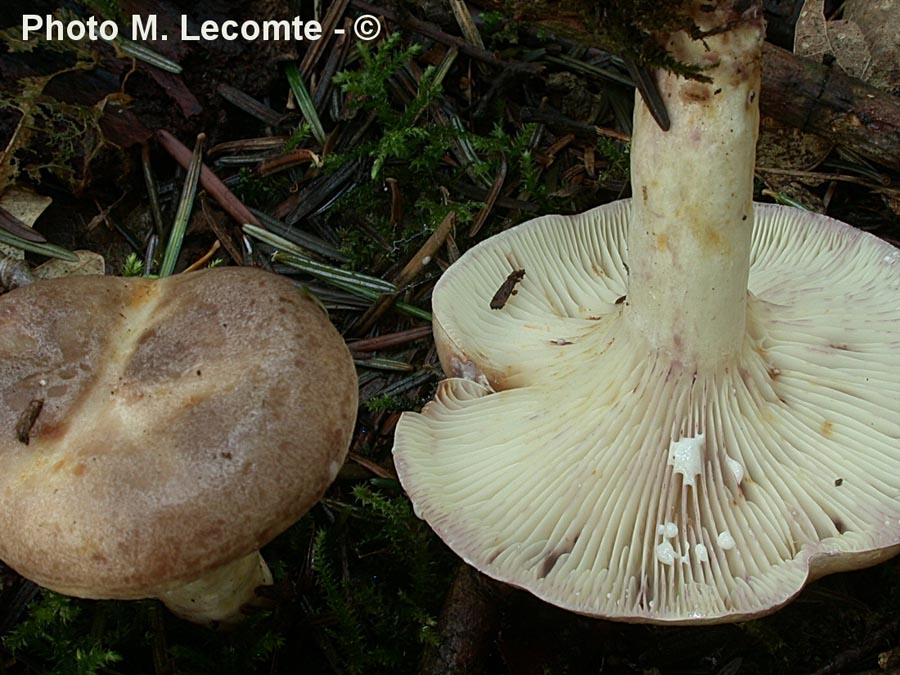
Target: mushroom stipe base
(567,456)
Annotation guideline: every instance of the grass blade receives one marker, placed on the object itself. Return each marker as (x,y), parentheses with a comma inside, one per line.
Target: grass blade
(186,203)
(304,101)
(49,250)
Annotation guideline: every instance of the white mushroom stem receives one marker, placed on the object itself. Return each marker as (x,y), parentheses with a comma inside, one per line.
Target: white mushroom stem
(692,218)
(219,595)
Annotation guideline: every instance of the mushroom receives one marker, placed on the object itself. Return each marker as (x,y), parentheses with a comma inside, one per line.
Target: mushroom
(159,432)
(702,449)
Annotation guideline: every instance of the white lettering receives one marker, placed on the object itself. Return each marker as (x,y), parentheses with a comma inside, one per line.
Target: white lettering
(277,30)
(227,30)
(109,30)
(75,30)
(312,30)
(269,30)
(30,22)
(54,25)
(141,29)
(185,35)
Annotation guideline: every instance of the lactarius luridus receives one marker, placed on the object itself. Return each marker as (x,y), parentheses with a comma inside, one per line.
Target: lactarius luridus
(701,450)
(159,432)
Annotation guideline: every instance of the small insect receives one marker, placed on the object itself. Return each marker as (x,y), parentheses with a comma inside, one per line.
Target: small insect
(619,301)
(27,419)
(507,289)
(14,273)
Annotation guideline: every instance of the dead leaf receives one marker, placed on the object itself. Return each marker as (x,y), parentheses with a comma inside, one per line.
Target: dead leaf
(879,21)
(814,37)
(88,263)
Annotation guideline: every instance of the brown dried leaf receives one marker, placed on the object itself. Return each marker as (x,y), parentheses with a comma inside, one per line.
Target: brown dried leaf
(88,263)
(879,21)
(815,37)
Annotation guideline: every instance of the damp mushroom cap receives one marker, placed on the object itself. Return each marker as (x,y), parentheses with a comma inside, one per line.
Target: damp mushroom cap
(182,424)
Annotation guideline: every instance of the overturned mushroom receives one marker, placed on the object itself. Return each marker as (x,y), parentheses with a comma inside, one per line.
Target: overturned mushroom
(183,424)
(699,451)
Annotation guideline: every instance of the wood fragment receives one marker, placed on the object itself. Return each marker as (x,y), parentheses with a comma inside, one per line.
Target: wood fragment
(468,625)
(27,420)
(826,101)
(507,288)
(883,187)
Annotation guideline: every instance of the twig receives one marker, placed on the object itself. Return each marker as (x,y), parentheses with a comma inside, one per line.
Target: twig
(407,275)
(250,105)
(287,161)
(210,182)
(490,200)
(377,469)
(858,651)
(378,342)
(429,30)
(813,175)
(152,190)
(329,23)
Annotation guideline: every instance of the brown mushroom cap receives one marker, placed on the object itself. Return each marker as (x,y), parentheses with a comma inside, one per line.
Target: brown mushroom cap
(185,423)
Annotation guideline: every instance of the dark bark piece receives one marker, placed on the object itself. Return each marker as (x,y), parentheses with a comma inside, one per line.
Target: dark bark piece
(468,624)
(802,93)
(826,101)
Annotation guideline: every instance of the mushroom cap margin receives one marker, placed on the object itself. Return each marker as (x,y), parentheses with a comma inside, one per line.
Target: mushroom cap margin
(467,461)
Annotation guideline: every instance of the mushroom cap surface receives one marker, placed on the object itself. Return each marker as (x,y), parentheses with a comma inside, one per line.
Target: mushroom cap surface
(185,422)
(565,456)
